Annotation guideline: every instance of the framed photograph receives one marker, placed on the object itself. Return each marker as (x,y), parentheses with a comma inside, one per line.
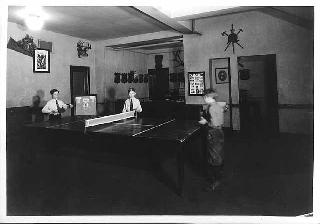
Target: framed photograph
(41,61)
(196,83)
(222,75)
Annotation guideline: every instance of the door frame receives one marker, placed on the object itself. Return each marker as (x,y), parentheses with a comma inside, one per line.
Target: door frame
(274,88)
(73,69)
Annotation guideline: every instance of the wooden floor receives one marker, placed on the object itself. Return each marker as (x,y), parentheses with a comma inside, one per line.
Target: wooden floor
(263,176)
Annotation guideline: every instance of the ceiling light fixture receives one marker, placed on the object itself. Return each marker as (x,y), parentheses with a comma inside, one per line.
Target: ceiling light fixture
(34,22)
(34,17)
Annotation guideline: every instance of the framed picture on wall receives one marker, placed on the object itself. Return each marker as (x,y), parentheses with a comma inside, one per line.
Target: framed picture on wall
(41,61)
(222,75)
(196,83)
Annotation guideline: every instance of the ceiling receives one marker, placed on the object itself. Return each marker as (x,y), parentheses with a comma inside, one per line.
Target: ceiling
(108,22)
(94,22)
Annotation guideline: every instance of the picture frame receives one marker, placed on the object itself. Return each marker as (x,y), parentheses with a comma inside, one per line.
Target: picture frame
(222,75)
(41,61)
(196,82)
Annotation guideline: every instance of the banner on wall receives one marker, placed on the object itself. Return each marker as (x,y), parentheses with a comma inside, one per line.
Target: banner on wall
(196,83)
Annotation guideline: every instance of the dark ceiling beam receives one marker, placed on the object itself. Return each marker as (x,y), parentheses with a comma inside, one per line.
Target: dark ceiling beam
(170,43)
(147,42)
(305,23)
(164,19)
(221,12)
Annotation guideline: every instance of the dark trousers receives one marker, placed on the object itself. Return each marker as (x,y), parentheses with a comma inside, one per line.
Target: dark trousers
(53,117)
(215,173)
(214,144)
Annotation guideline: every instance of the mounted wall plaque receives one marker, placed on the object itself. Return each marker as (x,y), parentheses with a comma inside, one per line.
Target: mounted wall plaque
(222,75)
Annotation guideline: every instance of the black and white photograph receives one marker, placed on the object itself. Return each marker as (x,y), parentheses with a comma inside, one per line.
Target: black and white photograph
(177,113)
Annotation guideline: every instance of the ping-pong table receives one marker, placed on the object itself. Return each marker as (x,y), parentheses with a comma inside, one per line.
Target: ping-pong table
(176,133)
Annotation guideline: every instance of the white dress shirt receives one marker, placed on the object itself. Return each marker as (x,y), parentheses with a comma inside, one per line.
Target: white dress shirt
(136,105)
(216,112)
(51,106)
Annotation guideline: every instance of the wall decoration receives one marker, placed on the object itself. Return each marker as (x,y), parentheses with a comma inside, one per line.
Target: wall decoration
(116,77)
(41,61)
(173,77)
(25,45)
(124,77)
(82,48)
(222,75)
(45,45)
(146,78)
(140,78)
(180,77)
(244,74)
(136,79)
(130,77)
(158,61)
(232,38)
(178,58)
(196,83)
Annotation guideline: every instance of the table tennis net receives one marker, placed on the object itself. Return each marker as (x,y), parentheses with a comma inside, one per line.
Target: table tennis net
(108,119)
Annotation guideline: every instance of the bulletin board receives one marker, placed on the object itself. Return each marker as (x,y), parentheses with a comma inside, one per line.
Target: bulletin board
(86,105)
(196,83)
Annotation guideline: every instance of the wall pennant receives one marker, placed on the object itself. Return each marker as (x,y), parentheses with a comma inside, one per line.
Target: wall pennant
(124,77)
(116,77)
(136,79)
(173,77)
(25,45)
(130,77)
(140,78)
(146,78)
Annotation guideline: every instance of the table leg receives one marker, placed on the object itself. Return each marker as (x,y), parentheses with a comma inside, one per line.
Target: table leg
(180,162)
(29,142)
(205,167)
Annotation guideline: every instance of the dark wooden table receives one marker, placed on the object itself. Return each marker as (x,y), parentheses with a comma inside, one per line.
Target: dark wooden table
(171,133)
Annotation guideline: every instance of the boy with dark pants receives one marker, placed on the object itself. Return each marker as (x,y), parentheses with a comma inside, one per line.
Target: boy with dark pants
(212,121)
(55,107)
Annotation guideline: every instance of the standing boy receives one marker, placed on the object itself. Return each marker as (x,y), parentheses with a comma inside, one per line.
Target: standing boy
(212,120)
(132,104)
(55,107)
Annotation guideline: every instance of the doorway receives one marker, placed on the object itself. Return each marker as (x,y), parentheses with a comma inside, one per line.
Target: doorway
(79,82)
(258,95)
(158,83)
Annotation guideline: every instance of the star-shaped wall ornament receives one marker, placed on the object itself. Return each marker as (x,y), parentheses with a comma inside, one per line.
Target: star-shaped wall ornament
(232,38)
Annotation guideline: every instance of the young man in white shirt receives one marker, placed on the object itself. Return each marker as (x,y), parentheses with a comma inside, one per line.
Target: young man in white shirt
(132,104)
(55,107)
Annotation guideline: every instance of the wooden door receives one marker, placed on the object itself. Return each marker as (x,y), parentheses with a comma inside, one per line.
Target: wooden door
(158,83)
(79,82)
